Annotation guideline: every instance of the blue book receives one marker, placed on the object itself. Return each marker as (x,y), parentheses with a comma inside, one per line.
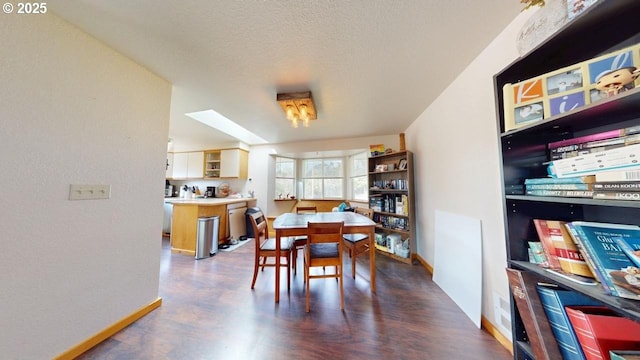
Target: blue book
(622,275)
(631,247)
(553,301)
(567,180)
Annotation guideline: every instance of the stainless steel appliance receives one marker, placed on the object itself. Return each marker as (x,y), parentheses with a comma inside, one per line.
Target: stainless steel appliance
(211,192)
(168,191)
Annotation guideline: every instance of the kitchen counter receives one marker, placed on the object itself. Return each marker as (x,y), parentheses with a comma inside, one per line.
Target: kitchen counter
(184,222)
(207,201)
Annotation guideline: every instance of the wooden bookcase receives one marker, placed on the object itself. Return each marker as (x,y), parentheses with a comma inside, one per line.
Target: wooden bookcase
(391,197)
(607,26)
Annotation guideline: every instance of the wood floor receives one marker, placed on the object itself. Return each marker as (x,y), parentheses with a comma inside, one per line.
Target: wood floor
(210,312)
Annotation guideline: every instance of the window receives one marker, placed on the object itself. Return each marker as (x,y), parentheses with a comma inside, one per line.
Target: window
(285,176)
(359,177)
(323,178)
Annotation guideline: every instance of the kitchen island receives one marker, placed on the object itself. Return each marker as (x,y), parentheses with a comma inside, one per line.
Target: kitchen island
(184,222)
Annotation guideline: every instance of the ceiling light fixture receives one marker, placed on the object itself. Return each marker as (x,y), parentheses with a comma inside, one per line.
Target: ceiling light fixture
(297,107)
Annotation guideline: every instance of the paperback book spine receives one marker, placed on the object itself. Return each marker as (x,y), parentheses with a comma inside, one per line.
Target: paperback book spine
(617,195)
(562,193)
(619,175)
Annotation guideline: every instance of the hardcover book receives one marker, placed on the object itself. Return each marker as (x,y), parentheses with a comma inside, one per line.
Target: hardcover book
(587,257)
(565,250)
(548,245)
(523,288)
(599,330)
(616,195)
(554,300)
(617,186)
(620,274)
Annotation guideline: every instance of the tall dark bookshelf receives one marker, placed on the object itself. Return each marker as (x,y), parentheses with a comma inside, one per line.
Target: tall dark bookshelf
(606,26)
(391,178)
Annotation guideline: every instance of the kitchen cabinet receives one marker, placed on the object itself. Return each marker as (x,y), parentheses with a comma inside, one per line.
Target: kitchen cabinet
(188,165)
(212,164)
(234,163)
(169,166)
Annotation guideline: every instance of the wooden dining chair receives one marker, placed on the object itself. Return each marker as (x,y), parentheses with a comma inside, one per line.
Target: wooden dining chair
(300,241)
(323,248)
(357,244)
(266,247)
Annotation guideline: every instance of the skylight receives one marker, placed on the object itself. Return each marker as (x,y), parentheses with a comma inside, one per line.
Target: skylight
(219,122)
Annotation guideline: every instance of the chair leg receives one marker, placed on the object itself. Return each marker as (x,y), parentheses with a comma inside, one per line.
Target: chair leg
(341,290)
(307,292)
(255,271)
(353,266)
(289,271)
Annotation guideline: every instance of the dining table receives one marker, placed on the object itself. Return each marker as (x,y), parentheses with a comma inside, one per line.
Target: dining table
(294,224)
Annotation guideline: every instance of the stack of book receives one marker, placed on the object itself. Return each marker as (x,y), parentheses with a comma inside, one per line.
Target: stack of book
(588,155)
(577,186)
(593,143)
(617,185)
(605,185)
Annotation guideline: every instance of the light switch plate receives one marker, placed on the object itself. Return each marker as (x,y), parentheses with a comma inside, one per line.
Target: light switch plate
(89,192)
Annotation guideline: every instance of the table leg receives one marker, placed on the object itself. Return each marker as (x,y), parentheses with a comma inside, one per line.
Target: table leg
(372,258)
(278,266)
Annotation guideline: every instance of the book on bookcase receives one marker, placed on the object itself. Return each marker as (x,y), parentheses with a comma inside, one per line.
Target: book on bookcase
(597,273)
(554,299)
(631,247)
(599,330)
(621,275)
(566,144)
(624,354)
(622,158)
(554,236)
(618,175)
(617,195)
(527,301)
(566,180)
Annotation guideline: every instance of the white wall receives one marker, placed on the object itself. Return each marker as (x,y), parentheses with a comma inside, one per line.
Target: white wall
(73,111)
(455,144)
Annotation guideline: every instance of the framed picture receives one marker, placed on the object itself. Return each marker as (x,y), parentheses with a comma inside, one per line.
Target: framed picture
(402,165)
(377,149)
(381,167)
(557,92)
(564,81)
(567,102)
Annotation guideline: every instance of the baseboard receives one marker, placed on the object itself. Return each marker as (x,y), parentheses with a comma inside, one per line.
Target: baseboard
(488,326)
(108,332)
(424,263)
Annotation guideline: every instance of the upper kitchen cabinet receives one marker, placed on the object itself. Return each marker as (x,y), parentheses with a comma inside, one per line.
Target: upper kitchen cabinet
(234,163)
(188,165)
(169,165)
(212,164)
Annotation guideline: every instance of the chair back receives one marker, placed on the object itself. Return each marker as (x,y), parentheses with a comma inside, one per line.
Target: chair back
(364,211)
(306,209)
(260,227)
(325,232)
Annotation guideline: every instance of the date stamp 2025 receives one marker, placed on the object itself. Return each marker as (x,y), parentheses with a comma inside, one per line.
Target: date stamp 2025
(25,8)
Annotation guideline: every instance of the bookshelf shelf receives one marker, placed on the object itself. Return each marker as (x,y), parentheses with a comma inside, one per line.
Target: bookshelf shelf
(391,198)
(524,151)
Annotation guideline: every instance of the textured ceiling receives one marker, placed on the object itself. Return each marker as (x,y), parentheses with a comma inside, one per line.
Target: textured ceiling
(373,65)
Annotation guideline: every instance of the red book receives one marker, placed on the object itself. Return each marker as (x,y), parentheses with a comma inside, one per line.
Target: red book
(563,253)
(599,330)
